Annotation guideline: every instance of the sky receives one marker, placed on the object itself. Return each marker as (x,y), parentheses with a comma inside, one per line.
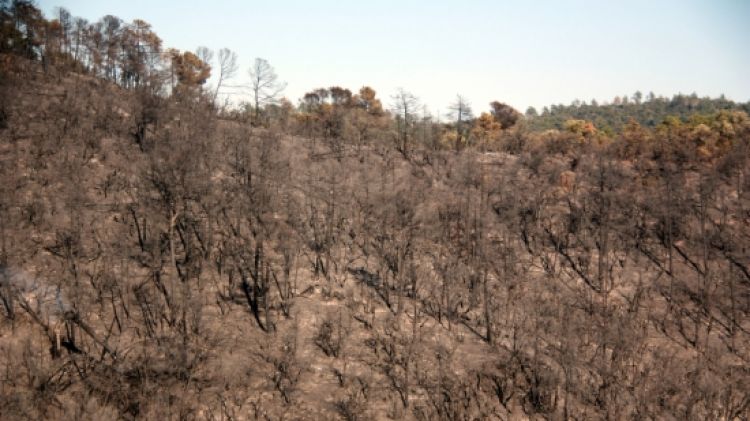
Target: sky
(523,53)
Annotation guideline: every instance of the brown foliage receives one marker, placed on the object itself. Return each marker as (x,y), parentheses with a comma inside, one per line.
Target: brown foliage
(159,262)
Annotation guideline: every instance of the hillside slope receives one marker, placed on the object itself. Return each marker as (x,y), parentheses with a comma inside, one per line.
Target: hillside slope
(161,263)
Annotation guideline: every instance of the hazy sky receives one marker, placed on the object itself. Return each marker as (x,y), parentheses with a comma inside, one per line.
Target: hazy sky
(520,52)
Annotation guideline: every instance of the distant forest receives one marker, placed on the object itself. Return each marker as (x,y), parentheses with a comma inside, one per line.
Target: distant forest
(648,111)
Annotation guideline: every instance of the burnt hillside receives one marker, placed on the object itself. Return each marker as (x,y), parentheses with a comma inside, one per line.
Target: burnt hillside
(162,257)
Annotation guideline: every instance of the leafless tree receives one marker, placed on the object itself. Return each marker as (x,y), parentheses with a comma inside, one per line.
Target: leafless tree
(227,68)
(265,85)
(405,106)
(460,112)
(205,54)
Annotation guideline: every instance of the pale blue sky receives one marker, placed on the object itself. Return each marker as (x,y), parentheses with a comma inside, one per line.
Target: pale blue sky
(535,52)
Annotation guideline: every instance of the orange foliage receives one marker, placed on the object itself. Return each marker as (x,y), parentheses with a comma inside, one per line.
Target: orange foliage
(190,70)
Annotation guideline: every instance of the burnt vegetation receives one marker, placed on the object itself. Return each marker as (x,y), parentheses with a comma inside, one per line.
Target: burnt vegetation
(163,256)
